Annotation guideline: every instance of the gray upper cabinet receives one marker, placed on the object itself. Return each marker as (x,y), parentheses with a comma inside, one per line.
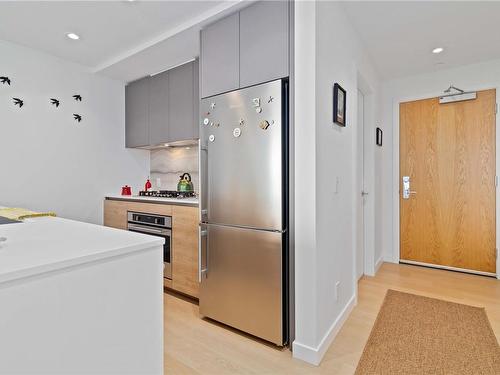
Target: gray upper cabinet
(264,42)
(181,97)
(137,113)
(247,48)
(220,54)
(196,101)
(159,109)
(163,108)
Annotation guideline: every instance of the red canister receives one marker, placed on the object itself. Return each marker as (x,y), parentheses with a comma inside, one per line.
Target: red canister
(126,190)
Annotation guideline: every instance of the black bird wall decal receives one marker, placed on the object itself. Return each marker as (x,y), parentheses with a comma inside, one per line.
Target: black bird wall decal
(18,102)
(77,117)
(77,97)
(55,102)
(5,80)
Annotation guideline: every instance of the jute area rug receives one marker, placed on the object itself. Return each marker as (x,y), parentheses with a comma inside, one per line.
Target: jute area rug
(420,335)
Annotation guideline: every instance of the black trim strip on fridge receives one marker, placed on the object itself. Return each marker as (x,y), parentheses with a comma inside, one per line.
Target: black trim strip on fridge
(285,210)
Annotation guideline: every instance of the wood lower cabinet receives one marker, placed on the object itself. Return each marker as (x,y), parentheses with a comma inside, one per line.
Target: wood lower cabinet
(185,250)
(184,238)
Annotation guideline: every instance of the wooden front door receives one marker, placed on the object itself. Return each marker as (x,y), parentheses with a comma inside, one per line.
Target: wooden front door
(448,153)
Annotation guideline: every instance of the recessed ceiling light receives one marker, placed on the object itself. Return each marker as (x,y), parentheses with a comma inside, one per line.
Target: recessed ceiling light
(166,145)
(188,148)
(438,50)
(73,36)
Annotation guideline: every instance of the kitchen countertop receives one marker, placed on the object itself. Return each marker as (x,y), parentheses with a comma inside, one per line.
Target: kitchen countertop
(176,201)
(45,244)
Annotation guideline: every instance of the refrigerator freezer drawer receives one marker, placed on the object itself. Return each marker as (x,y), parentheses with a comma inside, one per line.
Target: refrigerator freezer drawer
(241,284)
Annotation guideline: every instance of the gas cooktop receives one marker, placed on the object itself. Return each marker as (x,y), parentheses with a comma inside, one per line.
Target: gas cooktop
(167,194)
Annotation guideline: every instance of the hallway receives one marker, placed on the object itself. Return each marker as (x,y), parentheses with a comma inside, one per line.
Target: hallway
(195,346)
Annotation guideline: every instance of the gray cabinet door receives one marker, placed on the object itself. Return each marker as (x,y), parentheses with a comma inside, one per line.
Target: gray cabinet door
(264,42)
(137,113)
(196,101)
(181,103)
(220,56)
(159,109)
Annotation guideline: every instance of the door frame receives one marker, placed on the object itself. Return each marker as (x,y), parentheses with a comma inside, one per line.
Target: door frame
(360,187)
(395,172)
(370,264)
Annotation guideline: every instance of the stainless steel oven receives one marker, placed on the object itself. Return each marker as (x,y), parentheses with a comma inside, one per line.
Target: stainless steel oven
(155,225)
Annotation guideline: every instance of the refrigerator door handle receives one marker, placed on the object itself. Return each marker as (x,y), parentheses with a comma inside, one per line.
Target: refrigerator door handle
(203,244)
(244,227)
(203,168)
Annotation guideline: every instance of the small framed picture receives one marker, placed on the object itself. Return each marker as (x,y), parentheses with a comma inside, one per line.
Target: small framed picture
(339,105)
(379,137)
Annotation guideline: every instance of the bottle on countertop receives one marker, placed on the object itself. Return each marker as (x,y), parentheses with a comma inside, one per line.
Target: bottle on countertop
(147,185)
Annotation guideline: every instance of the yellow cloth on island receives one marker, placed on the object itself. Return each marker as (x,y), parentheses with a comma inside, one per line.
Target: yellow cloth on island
(21,213)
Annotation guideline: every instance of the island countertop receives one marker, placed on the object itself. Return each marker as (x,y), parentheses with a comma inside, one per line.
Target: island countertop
(45,244)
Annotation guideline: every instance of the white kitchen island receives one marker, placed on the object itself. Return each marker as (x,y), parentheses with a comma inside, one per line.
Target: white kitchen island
(79,298)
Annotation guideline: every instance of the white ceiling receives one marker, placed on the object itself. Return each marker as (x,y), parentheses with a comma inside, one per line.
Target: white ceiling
(400,36)
(130,39)
(112,32)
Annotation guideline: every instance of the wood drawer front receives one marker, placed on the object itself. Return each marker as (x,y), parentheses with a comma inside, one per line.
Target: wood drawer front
(115,214)
(185,250)
(115,211)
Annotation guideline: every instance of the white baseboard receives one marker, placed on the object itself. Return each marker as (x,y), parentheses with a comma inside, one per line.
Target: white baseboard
(389,259)
(314,355)
(379,263)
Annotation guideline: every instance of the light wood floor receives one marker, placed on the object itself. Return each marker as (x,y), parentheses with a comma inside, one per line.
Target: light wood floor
(196,346)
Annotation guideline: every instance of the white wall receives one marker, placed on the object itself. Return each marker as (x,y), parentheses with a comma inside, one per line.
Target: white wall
(305,178)
(48,161)
(327,50)
(471,77)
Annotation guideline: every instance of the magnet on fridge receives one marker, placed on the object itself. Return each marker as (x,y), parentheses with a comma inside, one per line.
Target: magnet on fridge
(264,125)
(211,138)
(206,121)
(236,132)
(258,109)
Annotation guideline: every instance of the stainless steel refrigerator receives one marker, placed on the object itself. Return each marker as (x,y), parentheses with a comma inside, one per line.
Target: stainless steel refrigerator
(244,210)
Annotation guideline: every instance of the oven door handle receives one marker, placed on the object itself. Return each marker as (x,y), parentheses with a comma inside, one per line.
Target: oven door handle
(144,229)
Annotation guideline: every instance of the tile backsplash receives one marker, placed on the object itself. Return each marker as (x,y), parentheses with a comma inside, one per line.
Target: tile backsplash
(168,164)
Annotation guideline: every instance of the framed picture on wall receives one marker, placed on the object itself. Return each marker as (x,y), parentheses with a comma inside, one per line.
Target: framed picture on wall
(339,105)
(379,137)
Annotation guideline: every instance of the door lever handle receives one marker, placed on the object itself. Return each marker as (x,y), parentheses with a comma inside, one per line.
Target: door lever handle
(406,188)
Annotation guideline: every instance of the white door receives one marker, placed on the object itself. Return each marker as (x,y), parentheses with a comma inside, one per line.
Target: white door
(361,194)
